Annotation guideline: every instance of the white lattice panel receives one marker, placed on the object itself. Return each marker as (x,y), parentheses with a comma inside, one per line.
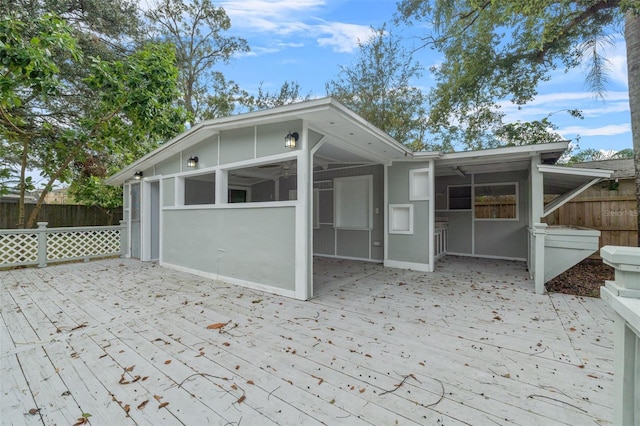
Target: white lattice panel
(80,244)
(18,248)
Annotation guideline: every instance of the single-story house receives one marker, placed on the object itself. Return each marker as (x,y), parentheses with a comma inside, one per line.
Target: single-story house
(252,198)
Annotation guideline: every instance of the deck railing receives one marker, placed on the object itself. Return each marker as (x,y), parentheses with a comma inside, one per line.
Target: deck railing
(623,295)
(40,246)
(440,236)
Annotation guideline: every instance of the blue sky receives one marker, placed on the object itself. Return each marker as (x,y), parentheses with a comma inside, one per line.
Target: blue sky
(307,40)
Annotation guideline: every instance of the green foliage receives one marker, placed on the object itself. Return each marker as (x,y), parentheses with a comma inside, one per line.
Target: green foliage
(528,133)
(290,92)
(196,28)
(624,153)
(132,109)
(501,49)
(591,154)
(136,112)
(378,87)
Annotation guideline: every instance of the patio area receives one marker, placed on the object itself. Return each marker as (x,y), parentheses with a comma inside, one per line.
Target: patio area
(125,342)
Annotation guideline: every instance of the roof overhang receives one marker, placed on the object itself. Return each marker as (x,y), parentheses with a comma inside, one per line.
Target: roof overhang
(505,159)
(342,128)
(569,182)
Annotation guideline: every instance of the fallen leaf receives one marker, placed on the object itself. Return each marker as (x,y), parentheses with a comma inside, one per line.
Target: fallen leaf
(127,408)
(164,404)
(142,404)
(256,301)
(506,376)
(216,326)
(242,398)
(572,329)
(237,367)
(234,387)
(497,317)
(362,390)
(34,411)
(157,397)
(129,369)
(145,378)
(250,382)
(333,401)
(81,421)
(227,344)
(168,361)
(592,376)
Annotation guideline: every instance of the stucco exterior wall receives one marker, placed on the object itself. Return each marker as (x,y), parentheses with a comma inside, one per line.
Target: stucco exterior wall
(348,243)
(492,238)
(233,243)
(414,247)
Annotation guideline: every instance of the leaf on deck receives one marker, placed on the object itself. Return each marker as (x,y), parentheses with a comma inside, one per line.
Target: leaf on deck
(157,397)
(167,361)
(250,382)
(216,326)
(320,379)
(242,398)
(142,404)
(164,404)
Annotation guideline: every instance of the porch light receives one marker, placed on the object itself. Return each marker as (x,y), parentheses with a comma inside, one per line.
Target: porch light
(137,175)
(291,139)
(192,162)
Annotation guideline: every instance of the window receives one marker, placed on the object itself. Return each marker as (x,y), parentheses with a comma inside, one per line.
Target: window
(459,197)
(200,189)
(496,201)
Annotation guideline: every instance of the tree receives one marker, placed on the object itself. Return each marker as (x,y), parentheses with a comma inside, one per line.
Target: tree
(196,28)
(134,104)
(29,77)
(289,93)
(378,87)
(500,49)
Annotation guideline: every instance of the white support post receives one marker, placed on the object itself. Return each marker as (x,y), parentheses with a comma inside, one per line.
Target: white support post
(539,236)
(623,294)
(42,244)
(123,238)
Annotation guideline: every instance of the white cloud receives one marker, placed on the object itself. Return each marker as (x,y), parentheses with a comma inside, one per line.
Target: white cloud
(299,18)
(586,102)
(608,130)
(342,37)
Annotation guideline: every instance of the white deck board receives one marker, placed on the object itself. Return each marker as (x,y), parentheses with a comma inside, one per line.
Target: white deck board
(69,332)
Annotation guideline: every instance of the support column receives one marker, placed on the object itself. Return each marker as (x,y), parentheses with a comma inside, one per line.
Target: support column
(539,236)
(623,294)
(42,244)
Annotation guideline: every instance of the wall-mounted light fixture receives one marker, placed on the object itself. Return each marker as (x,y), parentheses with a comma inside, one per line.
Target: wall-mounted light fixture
(459,171)
(137,175)
(192,162)
(291,139)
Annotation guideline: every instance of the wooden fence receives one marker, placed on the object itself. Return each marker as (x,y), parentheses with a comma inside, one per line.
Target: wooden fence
(61,215)
(613,212)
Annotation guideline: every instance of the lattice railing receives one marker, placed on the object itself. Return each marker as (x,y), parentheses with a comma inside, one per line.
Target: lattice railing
(39,246)
(19,248)
(82,244)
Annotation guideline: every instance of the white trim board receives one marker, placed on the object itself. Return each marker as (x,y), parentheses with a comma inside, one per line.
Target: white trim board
(234,281)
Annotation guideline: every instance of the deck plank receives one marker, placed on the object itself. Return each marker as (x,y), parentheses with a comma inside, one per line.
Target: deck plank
(331,360)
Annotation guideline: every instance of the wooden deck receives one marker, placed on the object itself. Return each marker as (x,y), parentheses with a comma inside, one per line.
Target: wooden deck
(124,342)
